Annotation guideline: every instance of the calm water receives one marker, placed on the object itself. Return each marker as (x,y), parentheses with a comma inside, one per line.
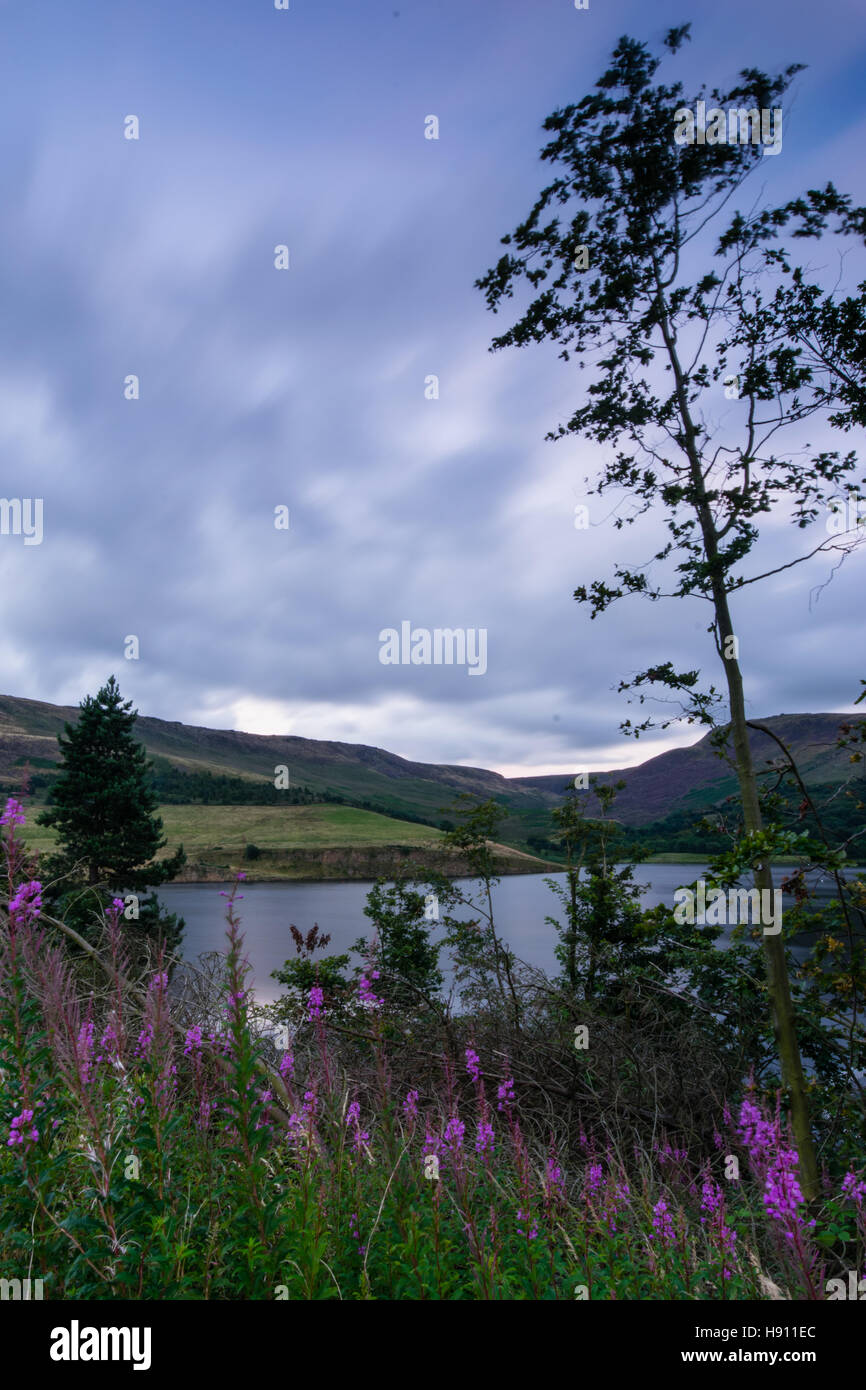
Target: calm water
(520,904)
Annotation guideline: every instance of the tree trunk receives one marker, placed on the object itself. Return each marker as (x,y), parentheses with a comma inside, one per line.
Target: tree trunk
(778,984)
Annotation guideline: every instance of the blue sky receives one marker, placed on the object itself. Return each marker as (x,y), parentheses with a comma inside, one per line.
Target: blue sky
(306,387)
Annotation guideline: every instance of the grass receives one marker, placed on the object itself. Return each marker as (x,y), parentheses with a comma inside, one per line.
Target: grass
(205,828)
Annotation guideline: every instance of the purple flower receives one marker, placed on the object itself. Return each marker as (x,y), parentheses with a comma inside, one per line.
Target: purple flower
(711,1198)
(353,1117)
(366,997)
(853,1188)
(145,1039)
(13,814)
(505,1095)
(15,1129)
(782,1194)
(554,1185)
(595,1177)
(525,1216)
(410,1105)
(453,1134)
(193,1041)
(663,1225)
(26,903)
(84,1052)
(316,1001)
(432,1144)
(484,1139)
(287,1066)
(473,1066)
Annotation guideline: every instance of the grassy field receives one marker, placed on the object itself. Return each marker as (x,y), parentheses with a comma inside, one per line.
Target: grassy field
(230,828)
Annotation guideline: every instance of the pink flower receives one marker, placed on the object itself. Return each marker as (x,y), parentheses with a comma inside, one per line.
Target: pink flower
(26,904)
(13,814)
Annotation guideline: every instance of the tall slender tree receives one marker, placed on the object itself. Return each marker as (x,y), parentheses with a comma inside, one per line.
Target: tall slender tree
(618,274)
(102,804)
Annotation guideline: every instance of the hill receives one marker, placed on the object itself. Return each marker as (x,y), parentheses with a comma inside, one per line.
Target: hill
(228,767)
(696,779)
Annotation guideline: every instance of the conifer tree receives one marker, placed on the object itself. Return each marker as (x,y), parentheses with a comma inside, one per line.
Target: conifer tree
(102,804)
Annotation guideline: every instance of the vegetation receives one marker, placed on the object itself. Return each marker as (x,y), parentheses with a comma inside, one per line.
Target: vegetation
(635,256)
(602,1140)
(102,810)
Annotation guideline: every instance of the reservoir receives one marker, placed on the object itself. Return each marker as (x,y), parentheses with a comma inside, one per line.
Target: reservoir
(520,904)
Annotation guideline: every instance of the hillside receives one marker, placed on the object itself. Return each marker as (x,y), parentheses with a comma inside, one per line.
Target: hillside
(691,779)
(29,729)
(696,778)
(302,842)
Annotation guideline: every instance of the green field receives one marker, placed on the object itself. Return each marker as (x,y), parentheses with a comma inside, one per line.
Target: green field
(212,828)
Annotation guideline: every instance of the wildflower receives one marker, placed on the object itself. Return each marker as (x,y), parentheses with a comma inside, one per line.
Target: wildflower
(235,1001)
(554,1184)
(484,1139)
(84,1051)
(26,904)
(16,1127)
(595,1177)
(13,814)
(410,1105)
(757,1133)
(353,1117)
(711,1198)
(432,1144)
(505,1095)
(453,1135)
(366,996)
(296,1129)
(473,1065)
(145,1039)
(193,1041)
(783,1194)
(663,1225)
(526,1217)
(354,1231)
(287,1066)
(853,1188)
(316,1000)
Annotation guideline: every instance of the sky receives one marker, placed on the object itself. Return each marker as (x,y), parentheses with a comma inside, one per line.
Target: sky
(308,388)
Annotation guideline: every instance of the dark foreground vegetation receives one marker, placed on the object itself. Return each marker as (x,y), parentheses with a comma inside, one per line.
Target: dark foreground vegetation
(616,1132)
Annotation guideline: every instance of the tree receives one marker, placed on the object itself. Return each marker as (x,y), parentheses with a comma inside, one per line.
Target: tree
(621,278)
(102,804)
(474,838)
(602,910)
(404,948)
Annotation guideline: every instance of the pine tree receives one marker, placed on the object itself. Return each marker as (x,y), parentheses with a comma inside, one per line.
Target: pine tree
(102,803)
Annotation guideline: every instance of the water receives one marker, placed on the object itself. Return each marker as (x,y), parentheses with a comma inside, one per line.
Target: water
(520,905)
